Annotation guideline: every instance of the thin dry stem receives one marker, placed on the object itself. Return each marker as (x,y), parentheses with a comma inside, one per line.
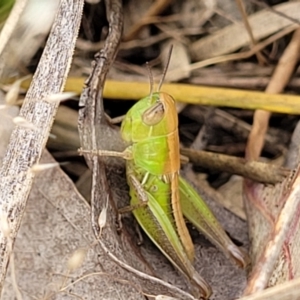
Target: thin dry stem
(241,6)
(279,80)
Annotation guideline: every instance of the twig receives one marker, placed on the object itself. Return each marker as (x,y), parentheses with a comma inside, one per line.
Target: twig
(91,115)
(247,25)
(257,171)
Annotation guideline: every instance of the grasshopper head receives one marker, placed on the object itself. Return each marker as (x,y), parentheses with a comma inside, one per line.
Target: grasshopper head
(162,107)
(152,116)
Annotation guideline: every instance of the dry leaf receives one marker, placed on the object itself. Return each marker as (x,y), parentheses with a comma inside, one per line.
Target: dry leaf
(55,225)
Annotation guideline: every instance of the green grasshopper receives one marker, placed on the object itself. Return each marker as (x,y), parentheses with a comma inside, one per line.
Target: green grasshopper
(159,196)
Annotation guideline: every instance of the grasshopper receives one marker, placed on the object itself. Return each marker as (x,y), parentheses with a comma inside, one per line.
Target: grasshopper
(160,197)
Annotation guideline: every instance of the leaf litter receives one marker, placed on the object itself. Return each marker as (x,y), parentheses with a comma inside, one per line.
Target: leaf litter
(56,226)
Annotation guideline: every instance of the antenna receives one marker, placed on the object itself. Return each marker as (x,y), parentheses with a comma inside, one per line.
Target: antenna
(165,69)
(150,77)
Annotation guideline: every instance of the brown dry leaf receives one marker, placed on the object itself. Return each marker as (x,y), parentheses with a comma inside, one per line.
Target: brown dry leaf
(56,224)
(273,212)
(235,36)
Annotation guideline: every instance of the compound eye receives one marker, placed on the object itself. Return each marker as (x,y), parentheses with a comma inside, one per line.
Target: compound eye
(154,114)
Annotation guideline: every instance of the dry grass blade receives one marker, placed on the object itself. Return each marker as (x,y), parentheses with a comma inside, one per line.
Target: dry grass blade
(26,145)
(193,94)
(203,96)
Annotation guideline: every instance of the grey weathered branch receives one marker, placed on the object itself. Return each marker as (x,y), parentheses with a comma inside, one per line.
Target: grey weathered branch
(26,144)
